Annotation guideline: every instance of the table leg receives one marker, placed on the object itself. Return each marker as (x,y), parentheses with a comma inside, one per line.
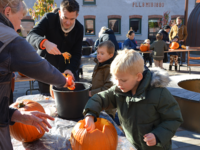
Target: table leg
(30,82)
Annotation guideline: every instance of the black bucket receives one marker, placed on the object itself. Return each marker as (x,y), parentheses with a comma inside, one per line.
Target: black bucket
(70,104)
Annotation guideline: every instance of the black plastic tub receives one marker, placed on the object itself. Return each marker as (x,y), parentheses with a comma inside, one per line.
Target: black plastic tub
(70,104)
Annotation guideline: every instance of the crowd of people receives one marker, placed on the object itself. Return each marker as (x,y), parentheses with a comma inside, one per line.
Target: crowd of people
(120,82)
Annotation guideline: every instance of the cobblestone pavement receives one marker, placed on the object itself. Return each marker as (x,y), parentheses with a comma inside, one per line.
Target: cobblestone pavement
(183,139)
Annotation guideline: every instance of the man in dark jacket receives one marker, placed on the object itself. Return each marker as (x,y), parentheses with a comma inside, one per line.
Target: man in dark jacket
(57,33)
(165,34)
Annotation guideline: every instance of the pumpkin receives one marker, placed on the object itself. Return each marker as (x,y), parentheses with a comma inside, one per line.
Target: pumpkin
(22,75)
(103,137)
(144,47)
(183,46)
(69,78)
(66,56)
(23,132)
(174,45)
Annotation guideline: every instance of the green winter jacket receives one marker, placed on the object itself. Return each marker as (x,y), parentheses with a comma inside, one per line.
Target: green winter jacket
(158,46)
(152,109)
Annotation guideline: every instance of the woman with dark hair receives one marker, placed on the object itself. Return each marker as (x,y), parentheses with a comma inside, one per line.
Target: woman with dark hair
(130,42)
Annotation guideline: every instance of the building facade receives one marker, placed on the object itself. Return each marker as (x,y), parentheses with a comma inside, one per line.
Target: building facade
(143,16)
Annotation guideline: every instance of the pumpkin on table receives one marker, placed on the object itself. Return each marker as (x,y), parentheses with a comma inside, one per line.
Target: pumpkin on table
(174,45)
(144,47)
(103,137)
(23,132)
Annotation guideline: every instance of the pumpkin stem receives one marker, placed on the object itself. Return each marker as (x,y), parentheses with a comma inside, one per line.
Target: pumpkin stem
(20,105)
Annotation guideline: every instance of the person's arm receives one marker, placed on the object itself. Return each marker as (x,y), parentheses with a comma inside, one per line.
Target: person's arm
(36,36)
(76,52)
(25,60)
(152,46)
(171,117)
(100,101)
(170,34)
(185,34)
(126,44)
(107,82)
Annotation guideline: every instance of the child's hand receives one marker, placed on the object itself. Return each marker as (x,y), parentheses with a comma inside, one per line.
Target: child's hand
(90,94)
(150,139)
(89,123)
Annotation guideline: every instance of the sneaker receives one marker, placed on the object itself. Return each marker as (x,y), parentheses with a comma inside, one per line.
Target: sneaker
(94,54)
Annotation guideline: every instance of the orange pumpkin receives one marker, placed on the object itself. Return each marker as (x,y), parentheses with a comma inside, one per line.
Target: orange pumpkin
(22,75)
(104,137)
(144,47)
(69,84)
(22,132)
(174,45)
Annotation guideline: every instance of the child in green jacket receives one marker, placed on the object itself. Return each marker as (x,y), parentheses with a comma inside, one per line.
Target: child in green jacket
(148,113)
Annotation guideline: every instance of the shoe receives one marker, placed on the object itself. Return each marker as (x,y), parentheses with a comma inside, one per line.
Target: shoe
(94,55)
(175,68)
(170,67)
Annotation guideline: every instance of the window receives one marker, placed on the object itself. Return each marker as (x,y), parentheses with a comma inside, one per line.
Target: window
(135,25)
(89,26)
(154,25)
(85,2)
(115,25)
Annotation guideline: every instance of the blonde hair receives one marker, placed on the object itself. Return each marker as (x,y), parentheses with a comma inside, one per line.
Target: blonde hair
(127,61)
(129,33)
(102,30)
(15,6)
(147,40)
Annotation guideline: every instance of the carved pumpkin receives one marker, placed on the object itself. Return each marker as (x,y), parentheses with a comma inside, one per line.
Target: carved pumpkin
(174,45)
(104,137)
(69,84)
(23,132)
(144,47)
(183,46)
(22,75)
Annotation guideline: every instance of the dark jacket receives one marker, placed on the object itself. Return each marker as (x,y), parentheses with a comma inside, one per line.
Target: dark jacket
(50,28)
(16,54)
(101,77)
(130,44)
(158,46)
(165,38)
(151,110)
(105,36)
(165,35)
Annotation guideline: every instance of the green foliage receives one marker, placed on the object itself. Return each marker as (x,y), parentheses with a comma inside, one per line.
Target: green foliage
(41,7)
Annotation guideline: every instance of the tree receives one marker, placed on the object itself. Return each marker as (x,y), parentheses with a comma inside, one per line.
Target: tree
(41,7)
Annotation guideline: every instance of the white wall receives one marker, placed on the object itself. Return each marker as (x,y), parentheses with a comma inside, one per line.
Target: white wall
(124,8)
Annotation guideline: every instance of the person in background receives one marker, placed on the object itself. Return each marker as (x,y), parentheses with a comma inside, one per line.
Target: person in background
(105,34)
(101,78)
(165,32)
(148,113)
(158,46)
(174,55)
(179,30)
(56,33)
(147,57)
(16,54)
(130,42)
